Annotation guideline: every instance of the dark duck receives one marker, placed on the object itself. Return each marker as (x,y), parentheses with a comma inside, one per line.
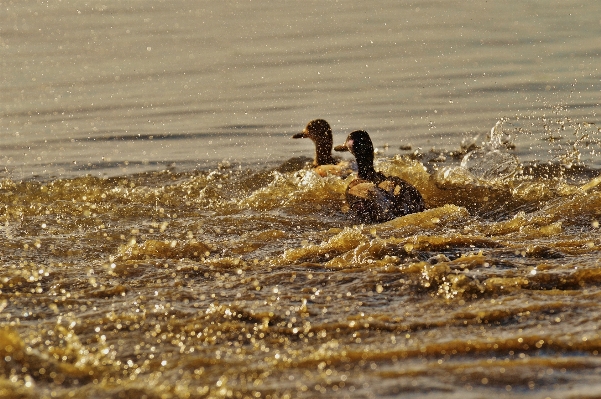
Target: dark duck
(320,132)
(374,197)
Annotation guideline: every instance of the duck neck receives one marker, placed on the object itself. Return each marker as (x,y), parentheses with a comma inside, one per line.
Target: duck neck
(323,154)
(365,168)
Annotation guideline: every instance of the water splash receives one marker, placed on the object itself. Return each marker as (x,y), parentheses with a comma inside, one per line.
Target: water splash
(492,162)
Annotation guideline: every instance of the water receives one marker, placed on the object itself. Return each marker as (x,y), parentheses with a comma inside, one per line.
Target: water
(87,87)
(161,236)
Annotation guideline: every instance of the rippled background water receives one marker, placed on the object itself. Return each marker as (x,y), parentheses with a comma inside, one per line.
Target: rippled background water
(103,83)
(161,236)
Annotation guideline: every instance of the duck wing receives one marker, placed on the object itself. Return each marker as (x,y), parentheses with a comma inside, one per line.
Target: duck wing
(405,198)
(392,197)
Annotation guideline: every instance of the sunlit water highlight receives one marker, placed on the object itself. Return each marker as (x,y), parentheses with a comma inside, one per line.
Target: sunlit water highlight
(242,283)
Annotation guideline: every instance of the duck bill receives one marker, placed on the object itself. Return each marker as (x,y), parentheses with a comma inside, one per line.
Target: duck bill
(341,148)
(300,135)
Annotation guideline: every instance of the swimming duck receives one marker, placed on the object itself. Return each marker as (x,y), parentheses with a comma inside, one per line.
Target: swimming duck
(320,132)
(373,196)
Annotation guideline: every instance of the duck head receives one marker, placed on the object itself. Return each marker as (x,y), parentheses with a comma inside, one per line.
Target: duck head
(359,144)
(320,132)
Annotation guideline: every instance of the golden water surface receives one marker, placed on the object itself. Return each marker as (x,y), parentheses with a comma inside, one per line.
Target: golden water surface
(252,283)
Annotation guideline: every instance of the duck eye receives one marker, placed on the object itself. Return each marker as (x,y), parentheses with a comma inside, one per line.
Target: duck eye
(349,144)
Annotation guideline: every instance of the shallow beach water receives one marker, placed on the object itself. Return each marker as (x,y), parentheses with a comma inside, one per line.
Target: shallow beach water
(163,237)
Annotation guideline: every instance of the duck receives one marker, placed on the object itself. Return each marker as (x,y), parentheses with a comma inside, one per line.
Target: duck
(320,132)
(373,197)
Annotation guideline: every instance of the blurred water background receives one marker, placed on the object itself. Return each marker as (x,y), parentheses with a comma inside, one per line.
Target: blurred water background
(90,86)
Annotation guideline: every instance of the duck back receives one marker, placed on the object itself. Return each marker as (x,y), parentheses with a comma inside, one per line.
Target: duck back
(382,199)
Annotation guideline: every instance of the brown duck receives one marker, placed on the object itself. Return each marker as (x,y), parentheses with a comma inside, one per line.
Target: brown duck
(320,132)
